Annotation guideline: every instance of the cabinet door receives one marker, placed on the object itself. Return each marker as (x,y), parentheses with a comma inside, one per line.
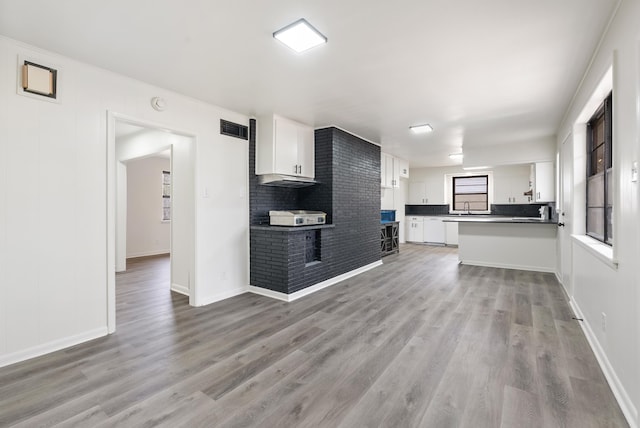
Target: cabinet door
(415,229)
(285,134)
(395,176)
(418,193)
(502,189)
(306,152)
(404,168)
(544,182)
(434,231)
(520,185)
(383,170)
(386,170)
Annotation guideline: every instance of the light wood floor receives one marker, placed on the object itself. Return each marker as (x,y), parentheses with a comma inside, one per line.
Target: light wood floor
(418,342)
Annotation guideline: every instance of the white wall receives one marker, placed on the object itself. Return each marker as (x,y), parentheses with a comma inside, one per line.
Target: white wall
(534,150)
(511,179)
(599,286)
(53,204)
(147,234)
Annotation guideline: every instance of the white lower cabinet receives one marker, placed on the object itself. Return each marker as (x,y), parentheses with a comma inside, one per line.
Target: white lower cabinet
(415,229)
(434,230)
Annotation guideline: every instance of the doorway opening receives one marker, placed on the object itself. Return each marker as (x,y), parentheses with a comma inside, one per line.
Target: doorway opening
(151,208)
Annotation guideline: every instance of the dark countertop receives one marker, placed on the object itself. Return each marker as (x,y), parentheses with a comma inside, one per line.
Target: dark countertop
(496,219)
(290,228)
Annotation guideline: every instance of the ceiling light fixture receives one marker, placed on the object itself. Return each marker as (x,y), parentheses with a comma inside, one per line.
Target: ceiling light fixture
(421,129)
(300,36)
(456,156)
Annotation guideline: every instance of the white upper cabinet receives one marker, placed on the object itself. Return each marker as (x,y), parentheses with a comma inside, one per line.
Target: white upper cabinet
(510,187)
(418,193)
(284,147)
(389,171)
(404,168)
(543,182)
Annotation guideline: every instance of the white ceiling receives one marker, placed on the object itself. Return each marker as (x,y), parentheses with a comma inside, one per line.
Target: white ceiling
(480,72)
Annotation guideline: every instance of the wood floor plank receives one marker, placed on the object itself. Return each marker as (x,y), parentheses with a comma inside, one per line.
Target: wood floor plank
(418,341)
(520,409)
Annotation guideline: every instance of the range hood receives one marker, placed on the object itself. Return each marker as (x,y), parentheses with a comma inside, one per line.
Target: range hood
(281,180)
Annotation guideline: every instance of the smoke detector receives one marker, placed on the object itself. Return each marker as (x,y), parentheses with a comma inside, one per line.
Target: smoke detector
(158,103)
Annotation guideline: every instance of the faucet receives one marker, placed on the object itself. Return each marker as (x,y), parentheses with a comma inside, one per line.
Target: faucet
(468,207)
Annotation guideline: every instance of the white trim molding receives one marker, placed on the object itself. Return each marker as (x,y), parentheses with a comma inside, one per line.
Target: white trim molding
(181,289)
(52,346)
(149,253)
(317,287)
(624,401)
(207,300)
(508,266)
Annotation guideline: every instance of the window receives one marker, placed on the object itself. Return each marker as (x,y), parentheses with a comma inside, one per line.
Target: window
(166,196)
(599,174)
(471,193)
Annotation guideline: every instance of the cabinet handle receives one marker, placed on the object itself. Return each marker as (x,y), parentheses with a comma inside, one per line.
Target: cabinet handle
(300,169)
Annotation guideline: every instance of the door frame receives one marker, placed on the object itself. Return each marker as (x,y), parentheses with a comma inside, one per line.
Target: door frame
(564,209)
(112,118)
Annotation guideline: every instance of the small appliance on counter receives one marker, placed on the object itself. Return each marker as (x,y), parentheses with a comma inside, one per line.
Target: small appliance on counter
(387,216)
(296,218)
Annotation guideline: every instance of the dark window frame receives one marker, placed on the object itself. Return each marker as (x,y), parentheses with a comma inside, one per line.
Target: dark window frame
(462,177)
(604,111)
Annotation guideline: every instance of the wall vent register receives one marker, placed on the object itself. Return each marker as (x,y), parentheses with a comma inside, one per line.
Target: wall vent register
(234,129)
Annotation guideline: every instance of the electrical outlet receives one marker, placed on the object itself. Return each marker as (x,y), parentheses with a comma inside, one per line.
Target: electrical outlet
(603,321)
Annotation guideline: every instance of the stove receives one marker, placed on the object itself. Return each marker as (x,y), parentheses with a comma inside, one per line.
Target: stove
(296,218)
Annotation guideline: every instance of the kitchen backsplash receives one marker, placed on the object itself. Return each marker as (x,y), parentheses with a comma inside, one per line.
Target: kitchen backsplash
(521,210)
(514,210)
(426,209)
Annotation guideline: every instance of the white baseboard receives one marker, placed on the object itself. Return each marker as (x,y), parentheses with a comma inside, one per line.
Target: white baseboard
(148,253)
(219,296)
(508,266)
(56,345)
(317,287)
(626,405)
(180,289)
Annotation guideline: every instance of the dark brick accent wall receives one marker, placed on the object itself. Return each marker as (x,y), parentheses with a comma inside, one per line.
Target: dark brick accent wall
(356,202)
(320,196)
(269,259)
(348,172)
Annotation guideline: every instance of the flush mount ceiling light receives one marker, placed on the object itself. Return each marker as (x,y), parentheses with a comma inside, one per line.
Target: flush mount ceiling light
(421,129)
(456,156)
(300,36)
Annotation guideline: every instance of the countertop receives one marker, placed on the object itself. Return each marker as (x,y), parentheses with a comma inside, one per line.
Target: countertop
(290,228)
(496,219)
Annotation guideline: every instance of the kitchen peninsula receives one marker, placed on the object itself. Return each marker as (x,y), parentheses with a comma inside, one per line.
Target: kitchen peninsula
(526,243)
